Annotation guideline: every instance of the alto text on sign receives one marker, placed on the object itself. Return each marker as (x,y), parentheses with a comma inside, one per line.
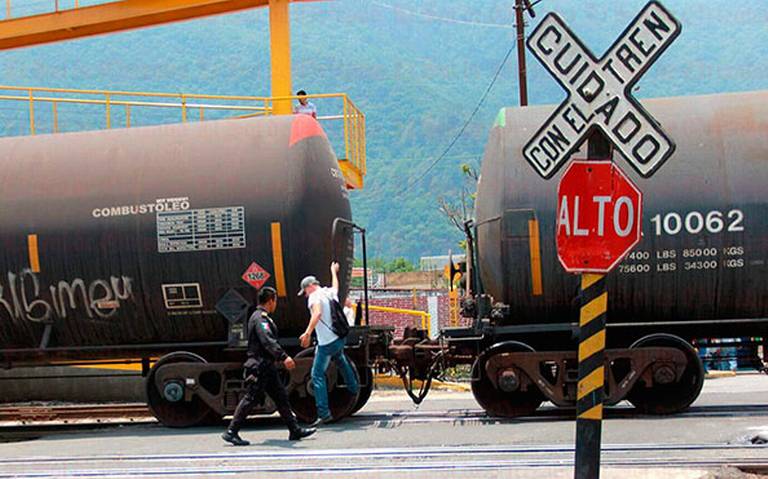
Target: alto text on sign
(600,92)
(599,213)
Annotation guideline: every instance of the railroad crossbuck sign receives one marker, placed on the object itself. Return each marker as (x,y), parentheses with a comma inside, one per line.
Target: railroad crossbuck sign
(600,92)
(599,211)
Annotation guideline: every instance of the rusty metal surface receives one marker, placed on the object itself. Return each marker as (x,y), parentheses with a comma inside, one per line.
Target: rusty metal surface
(554,372)
(90,199)
(699,275)
(224,385)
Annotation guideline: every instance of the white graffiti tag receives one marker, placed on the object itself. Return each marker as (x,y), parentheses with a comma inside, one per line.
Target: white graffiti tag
(25,301)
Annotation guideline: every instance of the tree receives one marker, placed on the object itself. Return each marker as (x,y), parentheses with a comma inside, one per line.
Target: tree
(399,265)
(459,212)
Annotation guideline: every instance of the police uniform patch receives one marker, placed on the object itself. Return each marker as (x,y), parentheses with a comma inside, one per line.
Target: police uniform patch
(265,326)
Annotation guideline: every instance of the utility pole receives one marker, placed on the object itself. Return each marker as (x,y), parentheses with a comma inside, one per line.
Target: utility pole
(520,7)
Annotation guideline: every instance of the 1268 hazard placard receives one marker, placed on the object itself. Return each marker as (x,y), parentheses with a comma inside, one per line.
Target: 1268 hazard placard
(255,275)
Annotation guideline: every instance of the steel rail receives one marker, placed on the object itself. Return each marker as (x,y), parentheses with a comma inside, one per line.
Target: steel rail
(445,466)
(385,452)
(51,415)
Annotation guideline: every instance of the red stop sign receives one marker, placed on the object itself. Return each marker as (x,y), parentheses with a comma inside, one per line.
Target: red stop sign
(599,217)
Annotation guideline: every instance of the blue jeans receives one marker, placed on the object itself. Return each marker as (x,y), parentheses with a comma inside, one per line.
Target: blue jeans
(323,355)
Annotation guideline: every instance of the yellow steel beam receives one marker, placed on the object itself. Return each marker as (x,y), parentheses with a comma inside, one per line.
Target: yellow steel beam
(352,175)
(114,17)
(280,53)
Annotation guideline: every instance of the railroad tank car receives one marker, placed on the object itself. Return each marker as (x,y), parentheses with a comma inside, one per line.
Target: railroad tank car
(152,243)
(699,271)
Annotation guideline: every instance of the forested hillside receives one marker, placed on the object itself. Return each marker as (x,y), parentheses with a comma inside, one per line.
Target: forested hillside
(416,68)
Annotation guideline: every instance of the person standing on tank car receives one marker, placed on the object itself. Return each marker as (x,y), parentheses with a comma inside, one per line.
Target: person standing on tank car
(261,374)
(329,346)
(305,107)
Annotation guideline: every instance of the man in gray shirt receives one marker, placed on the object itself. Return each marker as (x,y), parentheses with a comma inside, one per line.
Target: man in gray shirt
(329,346)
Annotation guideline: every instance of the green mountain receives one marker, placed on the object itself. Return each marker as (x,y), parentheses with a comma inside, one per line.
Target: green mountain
(417,69)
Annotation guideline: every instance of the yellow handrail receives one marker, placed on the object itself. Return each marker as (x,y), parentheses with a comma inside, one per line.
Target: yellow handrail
(239,106)
(57,5)
(426,318)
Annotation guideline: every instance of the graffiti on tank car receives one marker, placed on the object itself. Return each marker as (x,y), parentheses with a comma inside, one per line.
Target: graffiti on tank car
(23,299)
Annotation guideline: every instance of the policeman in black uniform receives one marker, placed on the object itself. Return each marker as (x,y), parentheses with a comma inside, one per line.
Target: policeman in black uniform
(261,372)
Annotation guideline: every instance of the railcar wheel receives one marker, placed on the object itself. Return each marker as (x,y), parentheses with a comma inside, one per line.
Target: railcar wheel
(365,391)
(669,398)
(302,397)
(495,401)
(176,412)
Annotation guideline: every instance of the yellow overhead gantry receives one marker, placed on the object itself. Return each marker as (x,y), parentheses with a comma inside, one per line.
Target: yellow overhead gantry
(79,22)
(114,16)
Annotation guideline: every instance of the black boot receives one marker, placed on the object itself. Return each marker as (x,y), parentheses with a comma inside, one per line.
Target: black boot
(301,432)
(234,438)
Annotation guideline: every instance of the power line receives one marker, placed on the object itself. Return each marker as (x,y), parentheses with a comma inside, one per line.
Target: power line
(442,19)
(463,128)
(417,158)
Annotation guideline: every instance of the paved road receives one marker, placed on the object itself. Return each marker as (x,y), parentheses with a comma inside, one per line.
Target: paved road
(449,435)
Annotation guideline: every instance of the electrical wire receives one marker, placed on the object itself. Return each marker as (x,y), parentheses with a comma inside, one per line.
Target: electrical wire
(442,19)
(463,128)
(411,159)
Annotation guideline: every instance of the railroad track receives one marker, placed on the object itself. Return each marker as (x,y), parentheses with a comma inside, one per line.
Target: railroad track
(41,415)
(71,414)
(554,414)
(385,461)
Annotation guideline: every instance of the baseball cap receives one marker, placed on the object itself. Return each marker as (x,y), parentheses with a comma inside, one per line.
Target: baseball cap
(307,281)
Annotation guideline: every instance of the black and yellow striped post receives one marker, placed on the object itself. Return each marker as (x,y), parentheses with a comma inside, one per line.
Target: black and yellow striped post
(590,392)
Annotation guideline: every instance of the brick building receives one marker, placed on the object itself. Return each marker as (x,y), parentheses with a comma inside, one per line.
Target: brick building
(435,302)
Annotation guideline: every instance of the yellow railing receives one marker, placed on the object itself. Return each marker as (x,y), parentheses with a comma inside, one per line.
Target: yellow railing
(22,8)
(47,110)
(426,318)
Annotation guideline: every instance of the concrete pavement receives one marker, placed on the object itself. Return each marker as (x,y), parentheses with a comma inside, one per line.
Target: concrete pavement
(448,435)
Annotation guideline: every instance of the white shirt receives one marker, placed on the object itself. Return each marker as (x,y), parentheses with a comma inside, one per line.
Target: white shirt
(308,109)
(350,314)
(322,297)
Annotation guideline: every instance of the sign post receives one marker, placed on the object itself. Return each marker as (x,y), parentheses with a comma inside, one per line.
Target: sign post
(591,388)
(598,222)
(599,209)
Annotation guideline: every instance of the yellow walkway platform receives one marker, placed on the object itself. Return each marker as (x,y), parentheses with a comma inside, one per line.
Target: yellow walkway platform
(53,110)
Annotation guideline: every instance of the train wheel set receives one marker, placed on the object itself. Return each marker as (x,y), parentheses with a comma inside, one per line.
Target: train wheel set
(659,374)
(670,391)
